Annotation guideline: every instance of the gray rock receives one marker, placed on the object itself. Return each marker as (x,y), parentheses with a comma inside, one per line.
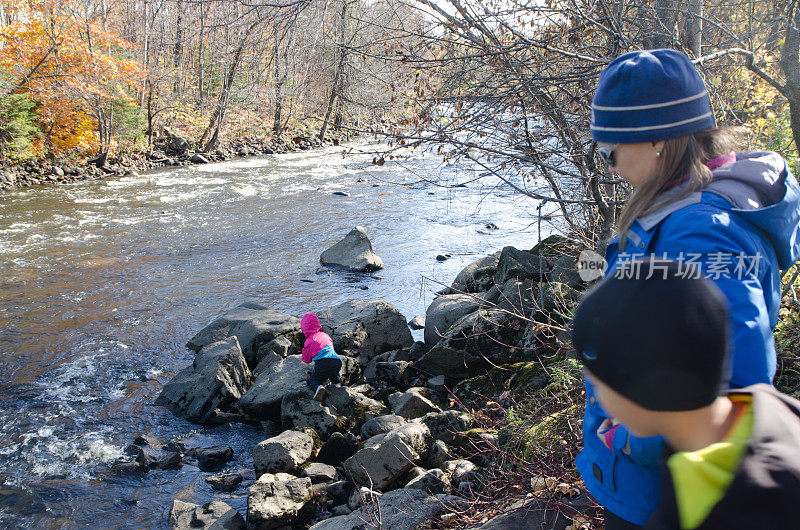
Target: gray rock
(341,509)
(350,373)
(519,264)
(340,491)
(146,456)
(363,496)
(527,514)
(338,448)
(365,329)
(386,457)
(263,399)
(197,158)
(298,409)
(434,482)
(253,324)
(211,458)
(472,343)
(381,425)
(276,501)
(438,455)
(393,374)
(519,298)
(170,460)
(214,515)
(436,383)
(402,509)
(319,472)
(226,482)
(445,425)
(476,277)
(281,346)
(353,252)
(265,361)
(462,471)
(418,322)
(411,404)
(444,311)
(416,351)
(281,453)
(354,407)
(565,270)
(217,379)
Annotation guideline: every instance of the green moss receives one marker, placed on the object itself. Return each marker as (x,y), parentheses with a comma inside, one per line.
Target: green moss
(549,433)
(554,245)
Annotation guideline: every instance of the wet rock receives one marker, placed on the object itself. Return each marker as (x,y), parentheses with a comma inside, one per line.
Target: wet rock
(402,509)
(214,515)
(211,458)
(263,399)
(197,158)
(366,329)
(281,453)
(443,312)
(381,425)
(146,439)
(298,409)
(170,460)
(319,472)
(340,194)
(353,252)
(411,404)
(217,379)
(226,482)
(441,257)
(275,501)
(418,322)
(386,457)
(434,482)
(128,468)
(338,448)
(519,264)
(253,324)
(147,456)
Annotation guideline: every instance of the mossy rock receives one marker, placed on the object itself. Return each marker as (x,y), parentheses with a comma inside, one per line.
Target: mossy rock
(555,245)
(518,377)
(546,435)
(468,439)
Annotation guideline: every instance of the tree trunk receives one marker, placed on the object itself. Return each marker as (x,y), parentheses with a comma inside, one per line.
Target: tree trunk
(215,124)
(693,27)
(790,65)
(178,51)
(339,71)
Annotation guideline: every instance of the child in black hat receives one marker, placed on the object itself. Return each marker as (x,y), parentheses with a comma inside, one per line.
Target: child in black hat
(736,454)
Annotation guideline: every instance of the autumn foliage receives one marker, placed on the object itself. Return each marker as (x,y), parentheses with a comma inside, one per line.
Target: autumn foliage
(76,73)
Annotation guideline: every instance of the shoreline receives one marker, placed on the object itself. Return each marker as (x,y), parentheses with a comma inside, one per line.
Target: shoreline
(40,172)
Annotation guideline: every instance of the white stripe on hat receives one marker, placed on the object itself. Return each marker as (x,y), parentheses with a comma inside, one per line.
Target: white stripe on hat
(649,127)
(651,106)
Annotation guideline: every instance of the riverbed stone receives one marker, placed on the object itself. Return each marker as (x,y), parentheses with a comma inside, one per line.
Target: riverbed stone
(211,458)
(401,509)
(319,473)
(352,406)
(217,379)
(364,329)
(263,399)
(386,457)
(254,325)
(411,404)
(299,409)
(226,482)
(381,425)
(446,425)
(434,481)
(444,311)
(282,453)
(338,448)
(519,264)
(392,373)
(215,515)
(476,277)
(281,346)
(353,252)
(418,322)
(278,501)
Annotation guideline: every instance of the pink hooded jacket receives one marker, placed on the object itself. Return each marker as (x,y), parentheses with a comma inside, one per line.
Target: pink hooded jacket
(316,339)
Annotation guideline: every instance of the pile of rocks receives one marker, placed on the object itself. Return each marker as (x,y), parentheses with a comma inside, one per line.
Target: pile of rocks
(385,446)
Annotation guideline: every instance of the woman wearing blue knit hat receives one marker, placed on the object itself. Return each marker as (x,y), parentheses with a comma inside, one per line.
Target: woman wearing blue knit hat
(733,217)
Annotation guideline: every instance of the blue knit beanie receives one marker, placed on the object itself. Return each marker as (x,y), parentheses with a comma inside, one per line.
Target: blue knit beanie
(648,96)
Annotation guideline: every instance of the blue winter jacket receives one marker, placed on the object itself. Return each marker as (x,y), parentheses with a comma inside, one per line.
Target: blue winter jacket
(747,214)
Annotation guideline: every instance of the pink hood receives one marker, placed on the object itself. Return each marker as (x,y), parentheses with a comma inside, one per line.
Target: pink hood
(316,339)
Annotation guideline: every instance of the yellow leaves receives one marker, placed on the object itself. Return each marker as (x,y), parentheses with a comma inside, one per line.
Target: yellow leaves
(547,486)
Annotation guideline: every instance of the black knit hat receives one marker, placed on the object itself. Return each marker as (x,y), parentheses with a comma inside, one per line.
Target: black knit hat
(658,335)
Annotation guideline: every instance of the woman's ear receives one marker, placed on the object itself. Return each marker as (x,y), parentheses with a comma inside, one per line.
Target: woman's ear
(658,147)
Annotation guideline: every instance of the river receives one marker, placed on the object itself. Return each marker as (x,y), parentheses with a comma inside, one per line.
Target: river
(103,283)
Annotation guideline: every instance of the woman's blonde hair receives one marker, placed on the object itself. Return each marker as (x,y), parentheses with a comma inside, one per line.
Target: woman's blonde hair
(682,156)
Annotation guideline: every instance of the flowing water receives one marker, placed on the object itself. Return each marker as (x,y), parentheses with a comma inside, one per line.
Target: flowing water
(103,283)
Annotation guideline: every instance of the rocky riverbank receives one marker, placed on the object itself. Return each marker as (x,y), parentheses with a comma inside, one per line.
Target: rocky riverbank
(168,151)
(399,444)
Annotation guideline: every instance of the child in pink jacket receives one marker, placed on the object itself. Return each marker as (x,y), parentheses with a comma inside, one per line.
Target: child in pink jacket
(319,349)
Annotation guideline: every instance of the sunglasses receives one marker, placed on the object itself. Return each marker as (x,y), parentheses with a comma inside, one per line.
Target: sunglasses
(606,153)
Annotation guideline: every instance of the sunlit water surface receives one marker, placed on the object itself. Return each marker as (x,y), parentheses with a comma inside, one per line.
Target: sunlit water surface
(103,283)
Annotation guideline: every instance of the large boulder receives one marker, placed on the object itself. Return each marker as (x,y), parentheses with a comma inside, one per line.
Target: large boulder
(353,407)
(298,409)
(215,381)
(444,311)
(446,425)
(386,457)
(434,482)
(402,509)
(254,325)
(381,425)
(275,501)
(214,515)
(282,453)
(366,329)
(263,399)
(519,264)
(353,252)
(473,344)
(411,404)
(476,277)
